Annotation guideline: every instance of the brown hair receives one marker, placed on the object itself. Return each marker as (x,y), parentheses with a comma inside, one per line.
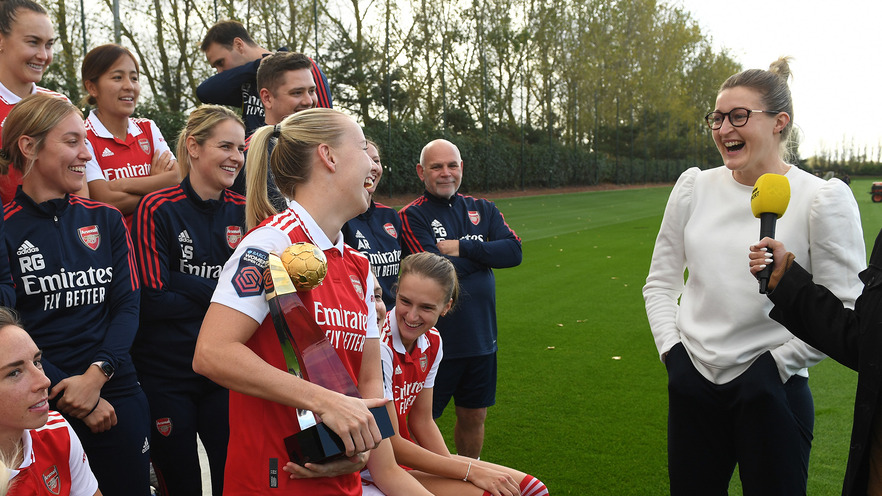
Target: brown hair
(224,32)
(98,61)
(9,12)
(775,93)
(34,116)
(435,267)
(200,125)
(273,67)
(298,135)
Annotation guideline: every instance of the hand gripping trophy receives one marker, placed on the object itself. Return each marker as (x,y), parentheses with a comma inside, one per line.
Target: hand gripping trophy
(308,353)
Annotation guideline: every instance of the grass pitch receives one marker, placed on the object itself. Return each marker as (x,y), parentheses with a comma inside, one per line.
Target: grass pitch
(582,396)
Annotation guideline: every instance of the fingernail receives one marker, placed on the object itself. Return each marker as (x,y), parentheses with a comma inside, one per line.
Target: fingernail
(769,260)
(764,249)
(761,266)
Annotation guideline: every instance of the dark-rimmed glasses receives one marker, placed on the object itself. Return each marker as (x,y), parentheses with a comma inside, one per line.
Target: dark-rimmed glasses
(738,117)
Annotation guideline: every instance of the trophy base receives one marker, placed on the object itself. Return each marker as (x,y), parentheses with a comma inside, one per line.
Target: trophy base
(319,444)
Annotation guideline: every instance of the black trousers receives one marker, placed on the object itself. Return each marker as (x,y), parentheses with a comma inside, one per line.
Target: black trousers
(179,410)
(755,421)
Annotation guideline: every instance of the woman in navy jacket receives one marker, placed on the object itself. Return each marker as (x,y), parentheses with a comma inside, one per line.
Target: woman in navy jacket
(76,289)
(183,236)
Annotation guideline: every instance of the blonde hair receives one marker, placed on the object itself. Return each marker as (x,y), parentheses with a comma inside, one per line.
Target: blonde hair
(34,117)
(775,94)
(200,125)
(8,317)
(291,160)
(435,267)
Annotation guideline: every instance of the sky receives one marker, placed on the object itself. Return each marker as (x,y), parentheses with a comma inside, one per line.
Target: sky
(836,66)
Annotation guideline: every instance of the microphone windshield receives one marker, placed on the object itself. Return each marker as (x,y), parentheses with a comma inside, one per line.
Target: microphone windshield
(771,194)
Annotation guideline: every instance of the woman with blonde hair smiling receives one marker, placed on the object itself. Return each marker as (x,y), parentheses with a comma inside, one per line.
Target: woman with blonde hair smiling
(183,236)
(321,166)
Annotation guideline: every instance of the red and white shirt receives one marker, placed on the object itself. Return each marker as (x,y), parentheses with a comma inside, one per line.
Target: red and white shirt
(405,374)
(114,159)
(342,306)
(54,463)
(8,99)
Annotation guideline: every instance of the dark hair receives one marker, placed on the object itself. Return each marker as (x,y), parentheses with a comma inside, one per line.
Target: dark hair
(34,116)
(273,67)
(224,32)
(775,93)
(99,60)
(435,267)
(200,125)
(9,12)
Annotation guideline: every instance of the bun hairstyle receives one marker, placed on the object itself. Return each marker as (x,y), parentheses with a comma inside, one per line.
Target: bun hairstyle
(200,125)
(34,116)
(772,86)
(98,61)
(9,12)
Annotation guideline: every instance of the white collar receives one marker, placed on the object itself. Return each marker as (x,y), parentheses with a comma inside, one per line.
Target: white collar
(10,97)
(397,345)
(101,130)
(316,234)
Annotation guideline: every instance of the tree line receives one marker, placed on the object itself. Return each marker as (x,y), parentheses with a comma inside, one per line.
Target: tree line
(537,93)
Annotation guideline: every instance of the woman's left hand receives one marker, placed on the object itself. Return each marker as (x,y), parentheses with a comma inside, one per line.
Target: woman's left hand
(342,466)
(81,393)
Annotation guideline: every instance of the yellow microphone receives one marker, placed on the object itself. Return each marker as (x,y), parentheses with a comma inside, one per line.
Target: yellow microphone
(769,200)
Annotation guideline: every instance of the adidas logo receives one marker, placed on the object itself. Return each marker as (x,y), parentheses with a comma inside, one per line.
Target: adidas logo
(398,370)
(184,237)
(146,447)
(26,248)
(107,153)
(358,234)
(436,223)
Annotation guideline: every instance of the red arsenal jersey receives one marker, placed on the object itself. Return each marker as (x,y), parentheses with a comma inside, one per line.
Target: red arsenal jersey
(115,159)
(8,99)
(405,374)
(54,463)
(342,306)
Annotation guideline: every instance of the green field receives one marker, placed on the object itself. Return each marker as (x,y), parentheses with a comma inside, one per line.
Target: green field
(582,398)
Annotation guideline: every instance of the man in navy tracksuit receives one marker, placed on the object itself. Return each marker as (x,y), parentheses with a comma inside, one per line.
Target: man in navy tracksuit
(77,292)
(236,57)
(473,235)
(182,243)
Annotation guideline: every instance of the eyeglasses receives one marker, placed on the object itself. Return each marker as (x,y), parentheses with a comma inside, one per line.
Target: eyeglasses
(738,117)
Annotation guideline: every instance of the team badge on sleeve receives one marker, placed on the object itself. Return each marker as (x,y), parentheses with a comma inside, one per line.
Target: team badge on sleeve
(90,236)
(145,145)
(475,217)
(248,278)
(390,230)
(234,235)
(52,480)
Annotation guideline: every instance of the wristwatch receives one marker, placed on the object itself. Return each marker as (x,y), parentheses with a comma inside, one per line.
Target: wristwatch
(105,367)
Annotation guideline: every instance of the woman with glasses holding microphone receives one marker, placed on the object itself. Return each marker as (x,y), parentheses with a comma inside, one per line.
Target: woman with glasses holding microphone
(737,380)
